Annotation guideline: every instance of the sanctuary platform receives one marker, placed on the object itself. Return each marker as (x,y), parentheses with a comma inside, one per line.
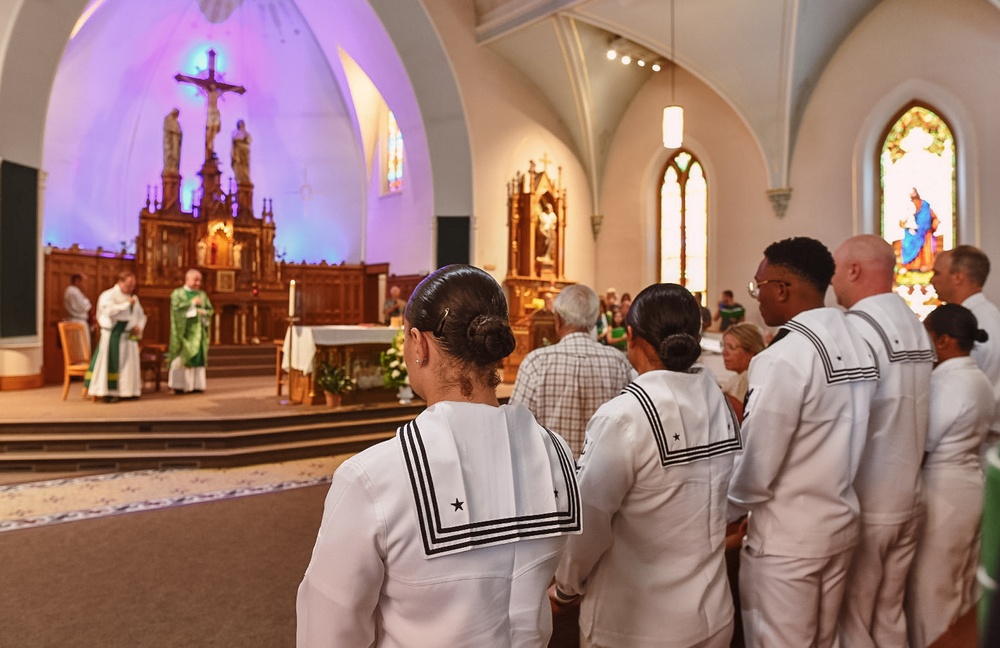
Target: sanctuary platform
(237,421)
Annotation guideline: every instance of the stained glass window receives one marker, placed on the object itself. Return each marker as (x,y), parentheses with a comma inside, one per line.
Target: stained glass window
(684,223)
(917,165)
(394,156)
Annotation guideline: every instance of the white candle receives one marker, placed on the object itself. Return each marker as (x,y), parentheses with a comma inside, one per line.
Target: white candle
(291,298)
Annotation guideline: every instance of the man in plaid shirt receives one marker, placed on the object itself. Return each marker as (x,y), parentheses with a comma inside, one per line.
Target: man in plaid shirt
(564,384)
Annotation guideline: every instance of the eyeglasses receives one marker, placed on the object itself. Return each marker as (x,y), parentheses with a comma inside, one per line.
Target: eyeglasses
(753,286)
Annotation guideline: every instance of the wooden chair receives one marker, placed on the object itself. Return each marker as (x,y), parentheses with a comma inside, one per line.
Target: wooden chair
(75,339)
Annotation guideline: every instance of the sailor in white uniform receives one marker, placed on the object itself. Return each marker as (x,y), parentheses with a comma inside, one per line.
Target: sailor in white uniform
(888,482)
(959,277)
(804,431)
(448,534)
(942,584)
(650,564)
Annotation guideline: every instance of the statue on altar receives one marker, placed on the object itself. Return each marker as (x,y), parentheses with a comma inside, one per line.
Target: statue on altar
(536,218)
(240,153)
(547,222)
(172,136)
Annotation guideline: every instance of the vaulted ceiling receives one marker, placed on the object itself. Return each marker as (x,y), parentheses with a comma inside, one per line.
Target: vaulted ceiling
(762,58)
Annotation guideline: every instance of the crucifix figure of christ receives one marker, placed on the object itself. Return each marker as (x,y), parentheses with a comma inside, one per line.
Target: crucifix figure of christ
(213,88)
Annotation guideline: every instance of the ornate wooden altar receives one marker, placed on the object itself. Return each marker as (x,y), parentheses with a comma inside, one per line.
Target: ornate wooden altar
(536,219)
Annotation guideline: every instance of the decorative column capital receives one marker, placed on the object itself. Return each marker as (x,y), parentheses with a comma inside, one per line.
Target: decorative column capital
(779,200)
(595,224)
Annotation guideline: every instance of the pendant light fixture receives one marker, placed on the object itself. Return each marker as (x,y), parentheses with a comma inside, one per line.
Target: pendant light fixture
(673,115)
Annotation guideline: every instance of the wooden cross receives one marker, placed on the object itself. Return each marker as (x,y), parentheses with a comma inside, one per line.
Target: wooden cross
(545,162)
(213,88)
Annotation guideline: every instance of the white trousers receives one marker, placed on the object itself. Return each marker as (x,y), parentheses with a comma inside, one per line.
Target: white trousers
(872,614)
(942,584)
(791,602)
(185,378)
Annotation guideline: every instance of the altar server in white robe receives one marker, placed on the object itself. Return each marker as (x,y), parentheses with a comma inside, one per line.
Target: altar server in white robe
(650,564)
(114,366)
(804,430)
(942,585)
(448,534)
(959,277)
(888,482)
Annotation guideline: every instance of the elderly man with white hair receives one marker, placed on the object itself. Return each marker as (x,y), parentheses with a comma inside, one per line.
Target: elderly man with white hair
(564,384)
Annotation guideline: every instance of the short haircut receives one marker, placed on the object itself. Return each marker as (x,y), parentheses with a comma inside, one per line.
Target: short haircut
(805,257)
(125,274)
(972,261)
(75,278)
(728,293)
(578,306)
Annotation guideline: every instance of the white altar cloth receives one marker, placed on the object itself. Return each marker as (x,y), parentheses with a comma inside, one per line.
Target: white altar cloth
(308,338)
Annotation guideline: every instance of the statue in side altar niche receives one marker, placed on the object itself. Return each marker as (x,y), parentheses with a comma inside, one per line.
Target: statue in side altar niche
(172,142)
(240,153)
(547,221)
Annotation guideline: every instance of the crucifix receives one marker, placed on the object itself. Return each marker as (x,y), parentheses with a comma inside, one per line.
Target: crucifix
(213,88)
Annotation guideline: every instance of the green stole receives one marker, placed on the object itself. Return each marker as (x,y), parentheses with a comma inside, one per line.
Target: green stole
(114,346)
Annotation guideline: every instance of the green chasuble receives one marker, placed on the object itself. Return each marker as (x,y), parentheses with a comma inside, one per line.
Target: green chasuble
(189,335)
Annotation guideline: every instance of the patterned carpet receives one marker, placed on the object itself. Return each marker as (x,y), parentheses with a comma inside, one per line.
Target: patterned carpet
(53,501)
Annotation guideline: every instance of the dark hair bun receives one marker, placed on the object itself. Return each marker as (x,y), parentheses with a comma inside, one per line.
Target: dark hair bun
(679,351)
(980,335)
(490,339)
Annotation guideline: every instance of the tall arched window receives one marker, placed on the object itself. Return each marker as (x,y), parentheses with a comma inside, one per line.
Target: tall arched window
(684,223)
(393,156)
(918,200)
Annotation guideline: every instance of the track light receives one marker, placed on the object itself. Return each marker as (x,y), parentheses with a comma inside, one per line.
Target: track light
(626,59)
(612,54)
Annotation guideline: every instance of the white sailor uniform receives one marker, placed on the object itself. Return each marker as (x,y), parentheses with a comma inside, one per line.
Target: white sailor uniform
(653,479)
(804,431)
(942,580)
(888,483)
(447,535)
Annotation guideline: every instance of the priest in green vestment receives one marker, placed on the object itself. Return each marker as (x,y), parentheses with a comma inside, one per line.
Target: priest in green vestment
(190,315)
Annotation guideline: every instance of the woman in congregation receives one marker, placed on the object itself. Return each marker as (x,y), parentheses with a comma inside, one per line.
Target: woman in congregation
(740,343)
(941,584)
(654,473)
(616,331)
(448,534)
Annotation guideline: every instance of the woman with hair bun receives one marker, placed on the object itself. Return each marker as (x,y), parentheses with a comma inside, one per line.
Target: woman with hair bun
(942,580)
(654,474)
(448,534)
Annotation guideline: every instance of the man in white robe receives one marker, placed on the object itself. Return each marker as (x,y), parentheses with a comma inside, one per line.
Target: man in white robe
(75,303)
(959,277)
(804,429)
(889,479)
(114,371)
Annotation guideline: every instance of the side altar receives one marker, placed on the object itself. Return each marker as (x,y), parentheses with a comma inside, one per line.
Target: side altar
(536,224)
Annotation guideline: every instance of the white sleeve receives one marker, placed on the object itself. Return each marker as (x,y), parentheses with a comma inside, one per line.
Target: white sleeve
(945,408)
(606,474)
(338,597)
(774,401)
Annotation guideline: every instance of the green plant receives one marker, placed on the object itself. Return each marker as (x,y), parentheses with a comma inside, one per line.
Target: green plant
(394,373)
(334,379)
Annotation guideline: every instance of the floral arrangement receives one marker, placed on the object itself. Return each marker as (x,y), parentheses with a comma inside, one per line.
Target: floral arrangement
(393,365)
(334,379)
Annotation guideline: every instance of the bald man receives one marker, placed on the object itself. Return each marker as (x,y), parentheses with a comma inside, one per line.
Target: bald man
(888,482)
(190,314)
